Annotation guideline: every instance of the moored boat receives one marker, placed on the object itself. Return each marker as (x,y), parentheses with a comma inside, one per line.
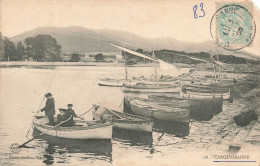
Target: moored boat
(123,120)
(154,110)
(81,129)
(119,82)
(150,88)
(112,82)
(205,95)
(200,108)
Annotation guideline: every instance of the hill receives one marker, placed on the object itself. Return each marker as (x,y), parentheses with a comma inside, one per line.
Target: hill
(83,40)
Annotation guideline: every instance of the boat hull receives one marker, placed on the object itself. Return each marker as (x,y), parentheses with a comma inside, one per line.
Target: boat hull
(102,131)
(157,112)
(144,127)
(200,109)
(112,82)
(150,88)
(136,124)
(189,94)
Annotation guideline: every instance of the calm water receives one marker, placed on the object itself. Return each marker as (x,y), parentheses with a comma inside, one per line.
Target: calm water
(22,90)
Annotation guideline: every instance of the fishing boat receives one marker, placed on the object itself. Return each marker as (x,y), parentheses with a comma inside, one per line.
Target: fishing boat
(150,88)
(81,130)
(157,111)
(200,108)
(123,120)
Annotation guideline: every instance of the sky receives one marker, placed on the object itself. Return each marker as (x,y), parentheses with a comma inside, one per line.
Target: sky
(146,18)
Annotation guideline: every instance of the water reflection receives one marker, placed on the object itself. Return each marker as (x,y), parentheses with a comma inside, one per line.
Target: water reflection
(133,138)
(92,149)
(175,128)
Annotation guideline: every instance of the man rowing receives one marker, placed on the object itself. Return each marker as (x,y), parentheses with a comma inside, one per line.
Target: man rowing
(49,108)
(63,116)
(66,114)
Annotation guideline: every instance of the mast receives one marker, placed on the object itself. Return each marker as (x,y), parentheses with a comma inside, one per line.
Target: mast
(213,66)
(126,75)
(218,69)
(155,67)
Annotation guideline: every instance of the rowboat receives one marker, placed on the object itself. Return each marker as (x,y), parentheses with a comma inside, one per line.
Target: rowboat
(205,95)
(154,110)
(217,88)
(114,82)
(97,147)
(81,129)
(200,108)
(123,120)
(150,88)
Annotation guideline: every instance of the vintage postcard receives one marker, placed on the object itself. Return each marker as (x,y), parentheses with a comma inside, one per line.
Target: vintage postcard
(130,82)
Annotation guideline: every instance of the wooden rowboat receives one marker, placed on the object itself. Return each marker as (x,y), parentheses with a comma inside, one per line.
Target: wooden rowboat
(150,88)
(123,120)
(157,111)
(114,82)
(81,130)
(200,108)
(198,95)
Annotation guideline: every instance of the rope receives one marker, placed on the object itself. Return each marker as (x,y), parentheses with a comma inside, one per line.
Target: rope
(86,111)
(121,103)
(46,92)
(140,104)
(160,137)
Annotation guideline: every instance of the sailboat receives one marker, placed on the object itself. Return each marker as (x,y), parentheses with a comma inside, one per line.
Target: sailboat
(156,85)
(166,69)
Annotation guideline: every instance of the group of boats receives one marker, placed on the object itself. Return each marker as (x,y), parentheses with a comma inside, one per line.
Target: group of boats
(168,99)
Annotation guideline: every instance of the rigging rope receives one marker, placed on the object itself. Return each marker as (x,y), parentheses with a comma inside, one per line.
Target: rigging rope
(41,103)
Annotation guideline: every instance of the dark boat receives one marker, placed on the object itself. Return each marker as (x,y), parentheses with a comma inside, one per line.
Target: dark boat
(200,109)
(149,108)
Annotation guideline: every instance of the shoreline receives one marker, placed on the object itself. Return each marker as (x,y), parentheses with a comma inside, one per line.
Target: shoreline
(19,64)
(54,64)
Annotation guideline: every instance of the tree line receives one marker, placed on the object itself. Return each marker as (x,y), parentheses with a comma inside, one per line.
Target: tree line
(41,48)
(45,48)
(173,56)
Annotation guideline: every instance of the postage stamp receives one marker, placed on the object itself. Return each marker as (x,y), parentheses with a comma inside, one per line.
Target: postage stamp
(233,25)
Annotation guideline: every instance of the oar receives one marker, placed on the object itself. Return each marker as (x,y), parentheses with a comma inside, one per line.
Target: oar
(44,133)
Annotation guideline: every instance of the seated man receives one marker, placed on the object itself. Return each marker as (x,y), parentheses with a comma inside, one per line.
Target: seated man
(63,116)
(71,111)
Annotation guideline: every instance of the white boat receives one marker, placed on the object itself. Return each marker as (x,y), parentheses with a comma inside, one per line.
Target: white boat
(123,120)
(119,82)
(112,82)
(150,88)
(81,130)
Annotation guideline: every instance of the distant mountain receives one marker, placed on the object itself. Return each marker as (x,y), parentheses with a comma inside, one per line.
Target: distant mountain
(83,40)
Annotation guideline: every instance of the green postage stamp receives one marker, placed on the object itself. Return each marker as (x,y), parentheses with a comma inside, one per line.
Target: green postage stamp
(233,25)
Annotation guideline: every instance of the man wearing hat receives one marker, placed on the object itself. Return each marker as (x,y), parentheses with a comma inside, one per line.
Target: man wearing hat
(71,113)
(49,108)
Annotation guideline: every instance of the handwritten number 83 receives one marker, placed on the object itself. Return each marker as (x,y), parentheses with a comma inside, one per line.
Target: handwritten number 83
(195,11)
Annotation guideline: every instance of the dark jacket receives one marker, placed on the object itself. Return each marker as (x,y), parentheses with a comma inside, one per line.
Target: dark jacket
(71,113)
(64,117)
(49,107)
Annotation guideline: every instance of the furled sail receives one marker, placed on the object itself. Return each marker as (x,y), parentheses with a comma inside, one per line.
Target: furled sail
(131,51)
(165,68)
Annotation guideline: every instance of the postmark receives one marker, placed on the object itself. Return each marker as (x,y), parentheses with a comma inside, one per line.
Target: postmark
(234,27)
